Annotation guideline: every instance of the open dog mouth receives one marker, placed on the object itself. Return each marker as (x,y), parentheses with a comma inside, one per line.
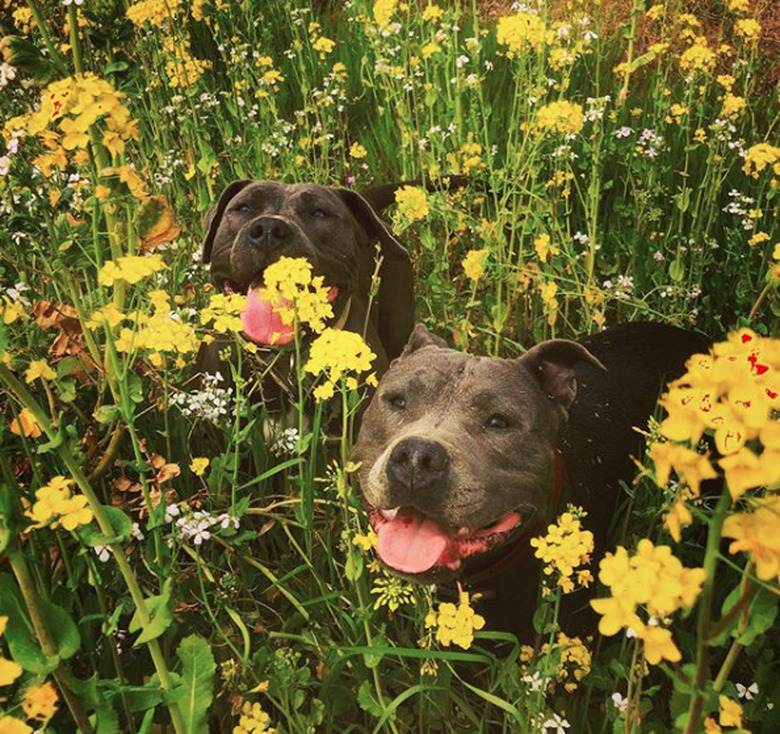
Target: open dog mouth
(264,319)
(411,543)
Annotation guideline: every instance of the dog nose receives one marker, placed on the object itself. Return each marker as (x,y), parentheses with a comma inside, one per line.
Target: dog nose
(417,464)
(268,231)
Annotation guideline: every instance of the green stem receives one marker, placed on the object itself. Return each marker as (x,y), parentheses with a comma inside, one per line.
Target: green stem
(57,60)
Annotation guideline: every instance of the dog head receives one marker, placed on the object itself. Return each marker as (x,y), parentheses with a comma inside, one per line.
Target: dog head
(255,223)
(458,451)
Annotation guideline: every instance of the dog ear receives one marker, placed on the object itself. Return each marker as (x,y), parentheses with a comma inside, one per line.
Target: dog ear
(552,364)
(420,338)
(214,217)
(375,228)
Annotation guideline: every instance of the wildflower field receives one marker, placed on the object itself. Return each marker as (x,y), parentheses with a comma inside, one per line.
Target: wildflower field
(168,565)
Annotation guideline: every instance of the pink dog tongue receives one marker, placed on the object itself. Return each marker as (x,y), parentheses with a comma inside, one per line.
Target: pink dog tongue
(411,543)
(262,324)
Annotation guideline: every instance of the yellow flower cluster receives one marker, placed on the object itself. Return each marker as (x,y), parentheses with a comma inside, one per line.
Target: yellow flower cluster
(225,311)
(574,659)
(290,278)
(748,28)
(40,702)
(566,548)
(543,247)
(156,13)
(698,57)
(560,117)
(55,505)
(549,294)
(158,332)
(181,67)
(521,31)
(761,156)
(654,579)
(253,720)
(731,392)
(412,202)
(334,353)
(733,106)
(392,592)
(68,109)
(758,534)
(474,263)
(383,12)
(455,625)
(130,268)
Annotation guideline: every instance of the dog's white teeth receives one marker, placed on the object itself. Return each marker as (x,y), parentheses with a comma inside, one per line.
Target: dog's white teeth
(463,531)
(391,513)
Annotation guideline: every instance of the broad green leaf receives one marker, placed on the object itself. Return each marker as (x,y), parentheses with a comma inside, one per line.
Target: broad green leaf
(197,681)
(161,612)
(121,523)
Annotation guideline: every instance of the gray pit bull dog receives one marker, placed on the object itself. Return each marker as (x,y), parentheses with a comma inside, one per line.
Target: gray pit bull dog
(465,458)
(255,223)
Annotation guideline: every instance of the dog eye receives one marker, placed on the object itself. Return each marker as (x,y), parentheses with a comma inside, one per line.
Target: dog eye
(397,402)
(242,209)
(320,214)
(497,421)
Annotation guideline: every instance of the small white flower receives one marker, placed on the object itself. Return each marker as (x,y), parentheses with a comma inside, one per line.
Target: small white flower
(748,693)
(620,702)
(557,724)
(103,552)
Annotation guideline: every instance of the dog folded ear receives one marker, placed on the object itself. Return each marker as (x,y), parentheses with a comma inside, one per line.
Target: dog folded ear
(374,227)
(214,216)
(552,364)
(420,338)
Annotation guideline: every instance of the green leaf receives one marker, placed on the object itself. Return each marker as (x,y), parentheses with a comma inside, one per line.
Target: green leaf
(106,413)
(367,701)
(20,635)
(353,567)
(122,525)
(197,680)
(160,610)
(763,612)
(676,271)
(3,338)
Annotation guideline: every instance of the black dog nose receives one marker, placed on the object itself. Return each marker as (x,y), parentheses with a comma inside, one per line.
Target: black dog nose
(416,463)
(268,231)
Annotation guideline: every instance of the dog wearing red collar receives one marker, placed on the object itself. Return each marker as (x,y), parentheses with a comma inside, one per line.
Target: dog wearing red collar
(464,459)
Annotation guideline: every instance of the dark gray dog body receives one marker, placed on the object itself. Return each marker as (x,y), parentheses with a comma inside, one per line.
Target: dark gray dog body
(463,457)
(337,230)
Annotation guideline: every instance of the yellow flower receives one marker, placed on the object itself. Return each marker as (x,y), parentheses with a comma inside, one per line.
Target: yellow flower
(758,238)
(40,702)
(659,645)
(655,12)
(691,466)
(323,45)
(366,542)
(455,624)
(412,202)
(130,268)
(334,353)
(430,49)
(9,670)
(520,31)
(544,249)
(39,368)
(392,592)
(432,12)
(698,57)
(56,506)
(561,117)
(253,720)
(738,6)
(225,311)
(199,466)
(156,13)
(677,517)
(11,725)
(730,712)
(748,28)
(26,425)
(565,548)
(474,263)
(383,12)
(758,534)
(12,310)
(733,106)
(356,150)
(761,156)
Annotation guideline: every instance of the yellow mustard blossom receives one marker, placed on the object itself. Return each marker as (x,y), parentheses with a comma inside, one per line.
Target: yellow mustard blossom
(521,31)
(156,13)
(732,393)
(565,549)
(40,702)
(224,310)
(55,506)
(130,268)
(730,712)
(698,57)
(561,117)
(323,45)
(39,368)
(574,662)
(429,49)
(655,12)
(757,533)
(384,11)
(455,625)
(366,542)
(26,425)
(108,314)
(432,12)
(549,293)
(679,516)
(356,150)
(412,202)
(12,310)
(733,106)
(738,6)
(474,263)
(253,720)
(11,725)
(182,69)
(392,592)
(758,238)
(748,28)
(334,354)
(761,156)
(652,578)
(544,249)
(199,466)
